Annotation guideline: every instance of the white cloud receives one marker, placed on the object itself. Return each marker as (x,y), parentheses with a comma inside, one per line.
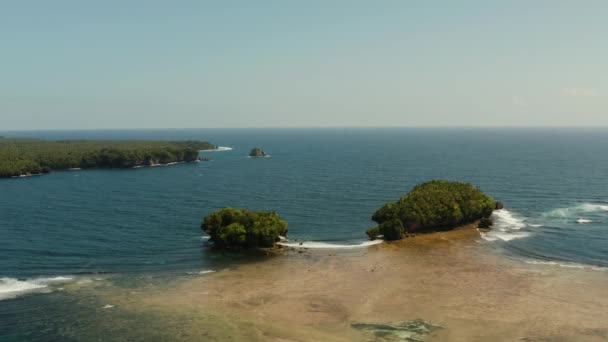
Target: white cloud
(581,92)
(519,101)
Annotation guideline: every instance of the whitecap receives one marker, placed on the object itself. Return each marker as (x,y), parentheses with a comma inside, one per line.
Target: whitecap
(576,210)
(201,272)
(566,265)
(13,288)
(506,226)
(219,149)
(107,306)
(583,220)
(325,245)
(506,236)
(506,220)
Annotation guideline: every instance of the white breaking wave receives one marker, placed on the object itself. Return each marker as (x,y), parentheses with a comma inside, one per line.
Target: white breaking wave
(504,220)
(219,149)
(325,245)
(505,227)
(495,236)
(566,265)
(13,288)
(576,210)
(201,272)
(583,221)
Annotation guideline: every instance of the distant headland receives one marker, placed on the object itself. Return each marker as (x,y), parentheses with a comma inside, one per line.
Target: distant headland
(25,157)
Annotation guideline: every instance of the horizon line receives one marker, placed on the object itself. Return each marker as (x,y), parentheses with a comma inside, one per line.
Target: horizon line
(295,127)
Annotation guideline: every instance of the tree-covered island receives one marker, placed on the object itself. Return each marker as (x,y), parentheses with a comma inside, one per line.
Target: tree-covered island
(243,228)
(20,157)
(434,205)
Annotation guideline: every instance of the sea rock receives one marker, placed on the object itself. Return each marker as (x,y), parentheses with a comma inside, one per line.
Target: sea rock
(499,205)
(257,152)
(485,223)
(410,331)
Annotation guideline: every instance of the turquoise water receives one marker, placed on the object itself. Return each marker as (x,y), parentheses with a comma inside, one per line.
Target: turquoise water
(76,226)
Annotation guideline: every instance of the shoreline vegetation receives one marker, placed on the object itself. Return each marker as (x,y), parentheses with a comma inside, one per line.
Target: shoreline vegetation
(20,157)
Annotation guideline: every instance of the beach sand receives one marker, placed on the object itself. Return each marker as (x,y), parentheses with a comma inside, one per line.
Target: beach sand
(450,279)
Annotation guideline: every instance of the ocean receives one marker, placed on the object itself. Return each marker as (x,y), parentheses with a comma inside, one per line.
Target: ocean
(77,228)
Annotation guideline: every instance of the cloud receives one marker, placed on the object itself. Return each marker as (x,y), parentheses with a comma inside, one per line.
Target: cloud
(519,101)
(581,92)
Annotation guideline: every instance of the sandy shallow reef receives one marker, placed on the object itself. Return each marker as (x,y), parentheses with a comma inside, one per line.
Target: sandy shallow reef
(448,279)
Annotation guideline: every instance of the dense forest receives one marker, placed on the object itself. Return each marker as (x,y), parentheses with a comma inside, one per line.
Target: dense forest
(432,205)
(33,156)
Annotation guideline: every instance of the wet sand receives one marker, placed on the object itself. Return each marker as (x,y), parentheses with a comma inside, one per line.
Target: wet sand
(449,279)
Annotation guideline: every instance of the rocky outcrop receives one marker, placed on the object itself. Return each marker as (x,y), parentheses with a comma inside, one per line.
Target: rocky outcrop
(485,223)
(257,152)
(414,330)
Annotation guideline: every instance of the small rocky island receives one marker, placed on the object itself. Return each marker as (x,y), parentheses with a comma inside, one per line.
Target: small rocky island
(432,206)
(243,228)
(257,152)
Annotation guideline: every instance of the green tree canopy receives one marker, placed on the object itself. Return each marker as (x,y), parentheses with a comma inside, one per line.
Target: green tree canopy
(33,156)
(244,228)
(436,204)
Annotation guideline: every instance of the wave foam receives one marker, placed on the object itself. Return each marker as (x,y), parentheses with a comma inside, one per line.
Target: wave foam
(219,149)
(495,236)
(576,210)
(201,272)
(566,265)
(504,220)
(506,227)
(583,220)
(325,245)
(13,288)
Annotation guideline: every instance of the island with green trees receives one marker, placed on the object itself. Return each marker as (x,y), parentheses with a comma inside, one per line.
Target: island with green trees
(243,228)
(431,206)
(22,157)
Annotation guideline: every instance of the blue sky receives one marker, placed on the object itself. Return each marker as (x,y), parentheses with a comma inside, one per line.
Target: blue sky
(155,64)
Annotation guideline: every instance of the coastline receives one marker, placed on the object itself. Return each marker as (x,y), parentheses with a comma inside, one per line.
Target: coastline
(447,278)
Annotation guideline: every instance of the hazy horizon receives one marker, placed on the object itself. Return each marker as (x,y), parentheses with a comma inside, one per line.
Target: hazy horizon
(69,65)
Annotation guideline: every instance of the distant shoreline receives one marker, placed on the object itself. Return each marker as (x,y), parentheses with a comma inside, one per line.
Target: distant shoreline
(22,157)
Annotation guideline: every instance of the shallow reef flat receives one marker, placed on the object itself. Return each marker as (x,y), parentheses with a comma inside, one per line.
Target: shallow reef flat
(437,287)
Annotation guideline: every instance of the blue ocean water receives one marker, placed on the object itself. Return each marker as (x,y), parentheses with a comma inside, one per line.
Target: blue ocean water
(325,182)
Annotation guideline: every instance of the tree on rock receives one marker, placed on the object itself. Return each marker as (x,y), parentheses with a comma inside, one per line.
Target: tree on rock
(436,204)
(244,228)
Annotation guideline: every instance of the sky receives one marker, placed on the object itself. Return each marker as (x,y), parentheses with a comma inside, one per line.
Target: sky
(201,64)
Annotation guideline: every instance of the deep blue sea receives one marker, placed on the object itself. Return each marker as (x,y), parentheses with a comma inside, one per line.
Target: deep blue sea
(61,227)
